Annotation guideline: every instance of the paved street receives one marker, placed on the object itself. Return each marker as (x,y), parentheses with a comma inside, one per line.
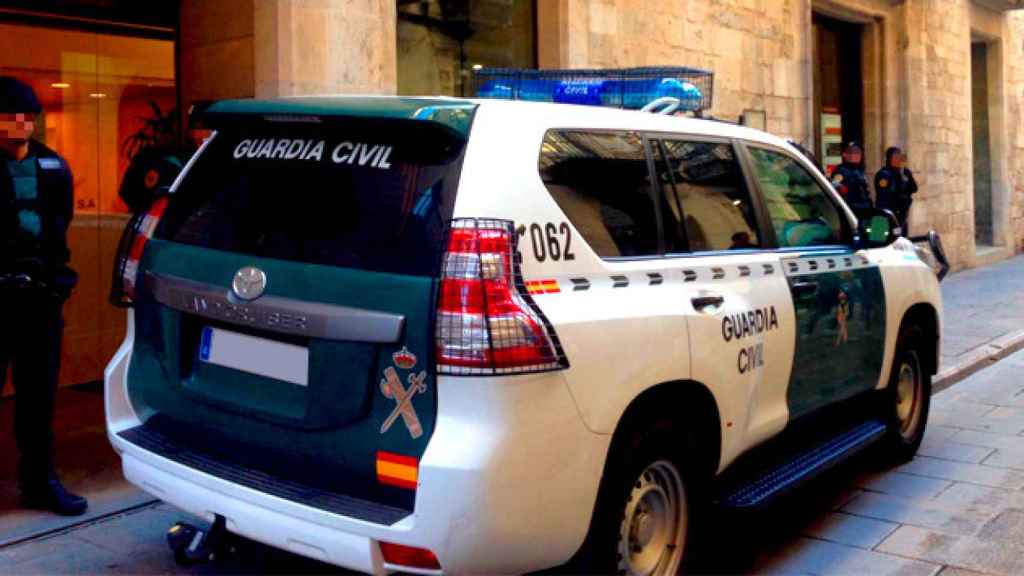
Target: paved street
(982,312)
(957,509)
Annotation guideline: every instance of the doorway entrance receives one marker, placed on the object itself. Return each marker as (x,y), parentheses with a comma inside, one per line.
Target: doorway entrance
(982,145)
(838,87)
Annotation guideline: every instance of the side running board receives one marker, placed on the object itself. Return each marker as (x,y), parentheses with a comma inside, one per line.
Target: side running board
(775,480)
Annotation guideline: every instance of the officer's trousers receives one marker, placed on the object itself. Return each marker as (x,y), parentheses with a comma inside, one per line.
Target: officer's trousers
(31,326)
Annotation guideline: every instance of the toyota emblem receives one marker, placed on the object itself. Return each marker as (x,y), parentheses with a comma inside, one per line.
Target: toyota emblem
(249,283)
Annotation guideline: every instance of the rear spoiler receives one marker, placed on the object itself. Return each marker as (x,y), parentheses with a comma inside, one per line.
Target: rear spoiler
(929,249)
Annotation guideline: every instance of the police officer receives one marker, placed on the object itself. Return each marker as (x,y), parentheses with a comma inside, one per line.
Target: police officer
(895,185)
(35,210)
(849,178)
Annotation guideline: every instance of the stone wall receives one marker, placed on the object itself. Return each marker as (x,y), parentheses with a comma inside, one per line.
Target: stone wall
(939,121)
(1013,53)
(324,47)
(267,48)
(215,54)
(757,48)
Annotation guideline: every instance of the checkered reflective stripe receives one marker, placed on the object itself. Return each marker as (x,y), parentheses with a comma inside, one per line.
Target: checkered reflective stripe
(832,263)
(655,279)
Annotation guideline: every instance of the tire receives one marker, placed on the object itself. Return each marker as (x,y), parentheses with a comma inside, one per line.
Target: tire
(907,399)
(643,518)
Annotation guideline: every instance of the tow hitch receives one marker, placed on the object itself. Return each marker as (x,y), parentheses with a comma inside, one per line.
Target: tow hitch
(192,545)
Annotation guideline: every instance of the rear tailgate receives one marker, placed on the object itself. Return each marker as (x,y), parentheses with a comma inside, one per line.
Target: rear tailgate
(324,383)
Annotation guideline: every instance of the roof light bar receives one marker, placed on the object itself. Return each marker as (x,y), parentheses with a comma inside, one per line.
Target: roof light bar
(632,88)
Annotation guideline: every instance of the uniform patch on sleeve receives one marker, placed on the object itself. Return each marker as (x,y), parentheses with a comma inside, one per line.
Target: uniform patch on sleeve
(50,164)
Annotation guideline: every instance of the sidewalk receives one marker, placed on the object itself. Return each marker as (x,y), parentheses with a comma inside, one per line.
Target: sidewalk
(956,509)
(983,318)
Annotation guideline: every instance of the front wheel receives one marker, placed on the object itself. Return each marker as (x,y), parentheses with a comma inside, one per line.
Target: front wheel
(907,400)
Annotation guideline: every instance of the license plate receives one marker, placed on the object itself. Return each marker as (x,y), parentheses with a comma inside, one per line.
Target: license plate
(277,360)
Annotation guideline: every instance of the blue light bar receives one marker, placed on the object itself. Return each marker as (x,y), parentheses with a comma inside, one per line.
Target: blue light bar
(630,89)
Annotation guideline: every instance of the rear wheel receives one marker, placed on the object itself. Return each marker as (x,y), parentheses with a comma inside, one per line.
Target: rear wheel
(907,399)
(642,521)
(652,534)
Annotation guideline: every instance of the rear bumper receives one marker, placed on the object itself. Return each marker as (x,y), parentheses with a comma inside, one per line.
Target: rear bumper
(507,484)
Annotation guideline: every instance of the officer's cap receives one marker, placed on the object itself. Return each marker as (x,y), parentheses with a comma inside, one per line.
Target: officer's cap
(16,97)
(851,146)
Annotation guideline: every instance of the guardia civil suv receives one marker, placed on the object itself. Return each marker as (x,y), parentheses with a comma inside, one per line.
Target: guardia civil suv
(497,336)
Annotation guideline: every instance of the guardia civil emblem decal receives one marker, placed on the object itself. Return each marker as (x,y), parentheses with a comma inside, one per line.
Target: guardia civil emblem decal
(392,388)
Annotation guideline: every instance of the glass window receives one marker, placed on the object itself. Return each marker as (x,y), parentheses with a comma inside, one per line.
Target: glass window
(713,201)
(668,200)
(101,94)
(378,198)
(601,182)
(441,42)
(802,212)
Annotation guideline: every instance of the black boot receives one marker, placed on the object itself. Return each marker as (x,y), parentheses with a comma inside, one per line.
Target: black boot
(51,495)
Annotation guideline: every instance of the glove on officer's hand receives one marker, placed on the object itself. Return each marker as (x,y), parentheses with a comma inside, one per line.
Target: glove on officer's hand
(64,282)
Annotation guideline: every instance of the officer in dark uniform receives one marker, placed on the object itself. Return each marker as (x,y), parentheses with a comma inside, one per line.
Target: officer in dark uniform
(36,196)
(849,179)
(895,185)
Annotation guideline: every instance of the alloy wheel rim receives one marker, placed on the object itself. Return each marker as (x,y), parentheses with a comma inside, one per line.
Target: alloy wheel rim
(653,529)
(908,398)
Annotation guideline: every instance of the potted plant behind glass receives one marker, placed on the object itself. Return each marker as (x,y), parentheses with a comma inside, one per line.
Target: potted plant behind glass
(155,156)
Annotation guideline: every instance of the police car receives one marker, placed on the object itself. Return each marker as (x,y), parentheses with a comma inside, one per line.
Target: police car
(493,336)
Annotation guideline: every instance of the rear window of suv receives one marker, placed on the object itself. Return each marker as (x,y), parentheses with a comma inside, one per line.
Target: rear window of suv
(367,194)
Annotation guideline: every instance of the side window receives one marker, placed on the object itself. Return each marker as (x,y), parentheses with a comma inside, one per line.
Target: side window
(802,212)
(713,204)
(600,180)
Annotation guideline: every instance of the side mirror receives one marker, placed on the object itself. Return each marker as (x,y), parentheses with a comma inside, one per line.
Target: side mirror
(877,228)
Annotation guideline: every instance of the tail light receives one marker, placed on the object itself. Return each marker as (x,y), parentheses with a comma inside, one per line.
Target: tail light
(409,557)
(487,323)
(129,252)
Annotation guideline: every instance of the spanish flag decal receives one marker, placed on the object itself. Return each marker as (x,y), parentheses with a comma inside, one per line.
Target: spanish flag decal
(542,287)
(397,470)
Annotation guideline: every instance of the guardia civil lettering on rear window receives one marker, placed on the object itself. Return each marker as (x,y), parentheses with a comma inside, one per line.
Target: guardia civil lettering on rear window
(347,152)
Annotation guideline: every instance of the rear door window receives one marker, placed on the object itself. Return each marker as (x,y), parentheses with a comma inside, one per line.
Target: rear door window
(602,183)
(713,202)
(366,194)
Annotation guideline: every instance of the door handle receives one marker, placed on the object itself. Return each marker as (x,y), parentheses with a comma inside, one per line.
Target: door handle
(805,288)
(707,304)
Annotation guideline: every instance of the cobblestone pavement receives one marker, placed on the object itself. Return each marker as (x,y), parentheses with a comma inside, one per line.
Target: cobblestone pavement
(981,310)
(956,509)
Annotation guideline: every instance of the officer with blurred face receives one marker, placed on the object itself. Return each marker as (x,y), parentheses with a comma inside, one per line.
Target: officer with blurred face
(36,195)
(895,185)
(849,178)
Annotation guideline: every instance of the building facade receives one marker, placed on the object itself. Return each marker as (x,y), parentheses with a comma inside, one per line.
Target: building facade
(943,79)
